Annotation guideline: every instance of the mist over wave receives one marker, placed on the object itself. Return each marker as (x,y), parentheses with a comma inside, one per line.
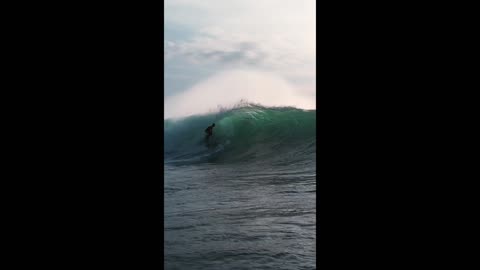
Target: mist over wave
(227,88)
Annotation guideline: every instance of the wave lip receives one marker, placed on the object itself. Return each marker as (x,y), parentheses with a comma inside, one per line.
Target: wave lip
(245,133)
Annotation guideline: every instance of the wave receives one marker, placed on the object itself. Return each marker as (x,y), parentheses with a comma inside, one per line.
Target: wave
(245,133)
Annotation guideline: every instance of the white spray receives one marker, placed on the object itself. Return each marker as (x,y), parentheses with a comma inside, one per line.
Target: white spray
(227,88)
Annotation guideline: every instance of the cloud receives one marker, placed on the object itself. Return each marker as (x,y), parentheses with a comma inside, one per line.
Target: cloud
(217,49)
(216,46)
(280,33)
(270,42)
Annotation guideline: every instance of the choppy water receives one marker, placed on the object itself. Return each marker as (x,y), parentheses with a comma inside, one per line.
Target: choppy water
(245,204)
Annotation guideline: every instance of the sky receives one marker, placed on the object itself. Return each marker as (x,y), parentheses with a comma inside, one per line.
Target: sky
(218,52)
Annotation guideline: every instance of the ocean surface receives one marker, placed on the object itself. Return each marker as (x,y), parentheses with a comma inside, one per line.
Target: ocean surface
(244,198)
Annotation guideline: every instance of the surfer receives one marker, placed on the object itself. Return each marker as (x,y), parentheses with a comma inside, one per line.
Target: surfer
(209,130)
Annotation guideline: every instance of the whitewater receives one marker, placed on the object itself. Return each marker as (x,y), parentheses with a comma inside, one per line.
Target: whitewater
(245,197)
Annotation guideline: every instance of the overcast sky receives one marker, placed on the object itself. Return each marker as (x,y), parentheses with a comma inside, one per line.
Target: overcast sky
(260,43)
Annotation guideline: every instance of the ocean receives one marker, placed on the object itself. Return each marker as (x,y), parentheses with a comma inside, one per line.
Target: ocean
(245,197)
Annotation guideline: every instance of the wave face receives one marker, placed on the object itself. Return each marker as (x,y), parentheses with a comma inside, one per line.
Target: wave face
(246,133)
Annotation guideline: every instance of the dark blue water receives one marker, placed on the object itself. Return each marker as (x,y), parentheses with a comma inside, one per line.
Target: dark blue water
(245,204)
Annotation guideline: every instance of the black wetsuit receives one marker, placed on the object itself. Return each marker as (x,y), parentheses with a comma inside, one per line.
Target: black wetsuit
(209,131)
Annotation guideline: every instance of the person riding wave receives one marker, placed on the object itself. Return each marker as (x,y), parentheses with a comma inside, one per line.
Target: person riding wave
(209,130)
